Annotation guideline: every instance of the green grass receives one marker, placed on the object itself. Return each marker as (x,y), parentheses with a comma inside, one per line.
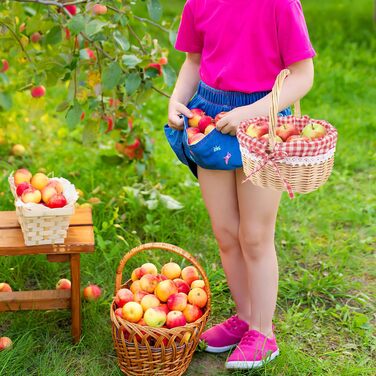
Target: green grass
(325,240)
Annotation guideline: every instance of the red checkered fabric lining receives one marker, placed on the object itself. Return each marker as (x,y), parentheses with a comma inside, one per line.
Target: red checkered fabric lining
(295,148)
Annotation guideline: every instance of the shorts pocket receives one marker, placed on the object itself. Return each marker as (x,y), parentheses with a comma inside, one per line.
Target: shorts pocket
(175,139)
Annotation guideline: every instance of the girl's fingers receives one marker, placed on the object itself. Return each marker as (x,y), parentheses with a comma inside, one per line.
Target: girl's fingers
(175,121)
(221,123)
(184,110)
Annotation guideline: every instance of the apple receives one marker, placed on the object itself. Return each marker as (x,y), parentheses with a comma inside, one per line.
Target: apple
(195,138)
(165,289)
(148,282)
(174,319)
(141,322)
(198,283)
(164,308)
(22,175)
(135,287)
(204,122)
(257,130)
(59,187)
(4,66)
(163,60)
(31,195)
(313,131)
(22,187)
(177,302)
(297,138)
(114,102)
(22,27)
(171,270)
(220,116)
(136,274)
(36,37)
(38,91)
(5,343)
(155,66)
(4,287)
(194,120)
(191,131)
(123,296)
(98,9)
(39,180)
(287,130)
(186,337)
(57,201)
(132,312)
(155,318)
(198,297)
(208,129)
(192,313)
(89,54)
(139,295)
(190,274)
(18,150)
(266,138)
(63,284)
(119,312)
(182,285)
(148,268)
(72,9)
(92,292)
(47,193)
(149,301)
(161,277)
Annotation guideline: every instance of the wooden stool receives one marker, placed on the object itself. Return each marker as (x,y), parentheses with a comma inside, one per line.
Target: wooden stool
(80,239)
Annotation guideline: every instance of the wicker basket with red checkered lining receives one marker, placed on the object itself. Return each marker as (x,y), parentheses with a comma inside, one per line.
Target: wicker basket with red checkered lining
(296,166)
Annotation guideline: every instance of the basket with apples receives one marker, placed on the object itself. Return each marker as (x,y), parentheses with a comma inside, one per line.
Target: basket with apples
(157,318)
(43,206)
(291,153)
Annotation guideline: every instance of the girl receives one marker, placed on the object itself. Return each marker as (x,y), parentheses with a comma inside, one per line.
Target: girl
(235,49)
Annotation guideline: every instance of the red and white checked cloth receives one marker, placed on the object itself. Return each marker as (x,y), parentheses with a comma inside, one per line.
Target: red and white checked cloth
(282,150)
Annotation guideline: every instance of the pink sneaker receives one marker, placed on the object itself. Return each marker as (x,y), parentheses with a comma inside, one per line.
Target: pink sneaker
(253,351)
(224,336)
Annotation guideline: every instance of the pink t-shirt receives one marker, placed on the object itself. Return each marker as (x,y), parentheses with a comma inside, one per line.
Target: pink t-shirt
(244,44)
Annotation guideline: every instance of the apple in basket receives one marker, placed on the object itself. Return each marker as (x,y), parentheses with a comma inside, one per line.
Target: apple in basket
(155,318)
(22,175)
(197,115)
(163,307)
(39,180)
(148,268)
(257,130)
(198,283)
(195,138)
(22,187)
(47,193)
(123,296)
(198,297)
(182,285)
(174,319)
(171,270)
(57,201)
(165,289)
(57,185)
(189,274)
(148,283)
(149,301)
(204,122)
(266,138)
(313,131)
(136,274)
(285,131)
(192,313)
(139,295)
(177,302)
(133,312)
(31,195)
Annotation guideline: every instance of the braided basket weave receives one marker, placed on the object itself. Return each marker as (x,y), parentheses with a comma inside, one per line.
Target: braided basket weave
(144,350)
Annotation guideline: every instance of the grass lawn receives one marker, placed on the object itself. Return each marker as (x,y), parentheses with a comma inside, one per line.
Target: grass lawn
(325,240)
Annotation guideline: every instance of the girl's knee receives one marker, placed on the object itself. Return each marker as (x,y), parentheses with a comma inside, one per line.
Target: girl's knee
(226,235)
(256,241)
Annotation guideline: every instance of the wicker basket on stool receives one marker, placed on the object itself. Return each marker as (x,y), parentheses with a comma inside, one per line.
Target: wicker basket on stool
(296,166)
(144,350)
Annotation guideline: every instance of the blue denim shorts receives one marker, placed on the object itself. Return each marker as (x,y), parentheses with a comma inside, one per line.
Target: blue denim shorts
(216,151)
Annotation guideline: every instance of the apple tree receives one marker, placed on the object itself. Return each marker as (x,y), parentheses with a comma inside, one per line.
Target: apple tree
(105,58)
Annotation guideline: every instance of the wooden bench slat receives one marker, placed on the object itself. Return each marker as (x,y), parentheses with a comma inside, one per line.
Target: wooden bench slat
(82,216)
(35,300)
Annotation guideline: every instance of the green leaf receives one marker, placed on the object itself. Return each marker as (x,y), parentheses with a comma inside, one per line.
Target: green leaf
(5,101)
(169,75)
(121,40)
(54,36)
(154,9)
(62,106)
(73,116)
(94,27)
(89,134)
(111,76)
(77,24)
(132,83)
(131,60)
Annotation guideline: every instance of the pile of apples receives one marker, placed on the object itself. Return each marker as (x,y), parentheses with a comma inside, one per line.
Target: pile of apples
(287,132)
(172,298)
(39,188)
(200,125)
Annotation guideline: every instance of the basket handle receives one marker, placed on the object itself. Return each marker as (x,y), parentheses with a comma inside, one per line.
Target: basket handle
(273,110)
(166,247)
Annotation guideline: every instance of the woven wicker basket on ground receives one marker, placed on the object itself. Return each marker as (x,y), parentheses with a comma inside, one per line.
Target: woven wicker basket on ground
(143,350)
(40,224)
(296,166)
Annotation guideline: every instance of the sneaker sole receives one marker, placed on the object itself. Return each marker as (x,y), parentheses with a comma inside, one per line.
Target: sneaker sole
(250,365)
(217,350)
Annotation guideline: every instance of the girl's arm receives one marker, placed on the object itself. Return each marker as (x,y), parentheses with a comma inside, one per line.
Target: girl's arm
(296,86)
(185,87)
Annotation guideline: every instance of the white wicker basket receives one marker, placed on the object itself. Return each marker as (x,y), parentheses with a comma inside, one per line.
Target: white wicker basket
(43,225)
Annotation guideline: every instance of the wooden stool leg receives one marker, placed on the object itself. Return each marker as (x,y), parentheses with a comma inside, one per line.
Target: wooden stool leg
(75,297)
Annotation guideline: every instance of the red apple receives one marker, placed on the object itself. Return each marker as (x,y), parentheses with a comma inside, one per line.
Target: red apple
(31,195)
(190,274)
(287,130)
(164,308)
(192,313)
(165,289)
(92,292)
(123,296)
(5,343)
(177,302)
(72,9)
(149,301)
(89,54)
(161,277)
(198,283)
(174,319)
(38,91)
(57,201)
(266,138)
(198,297)
(257,130)
(148,282)
(4,66)
(195,138)
(148,268)
(208,129)
(136,274)
(135,287)
(58,186)
(22,175)
(22,187)
(39,180)
(47,193)
(194,120)
(155,318)
(119,312)
(314,131)
(163,60)
(98,9)
(139,295)
(155,66)
(4,287)
(204,122)
(132,312)
(64,284)
(220,116)
(171,270)
(191,131)
(182,286)
(36,37)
